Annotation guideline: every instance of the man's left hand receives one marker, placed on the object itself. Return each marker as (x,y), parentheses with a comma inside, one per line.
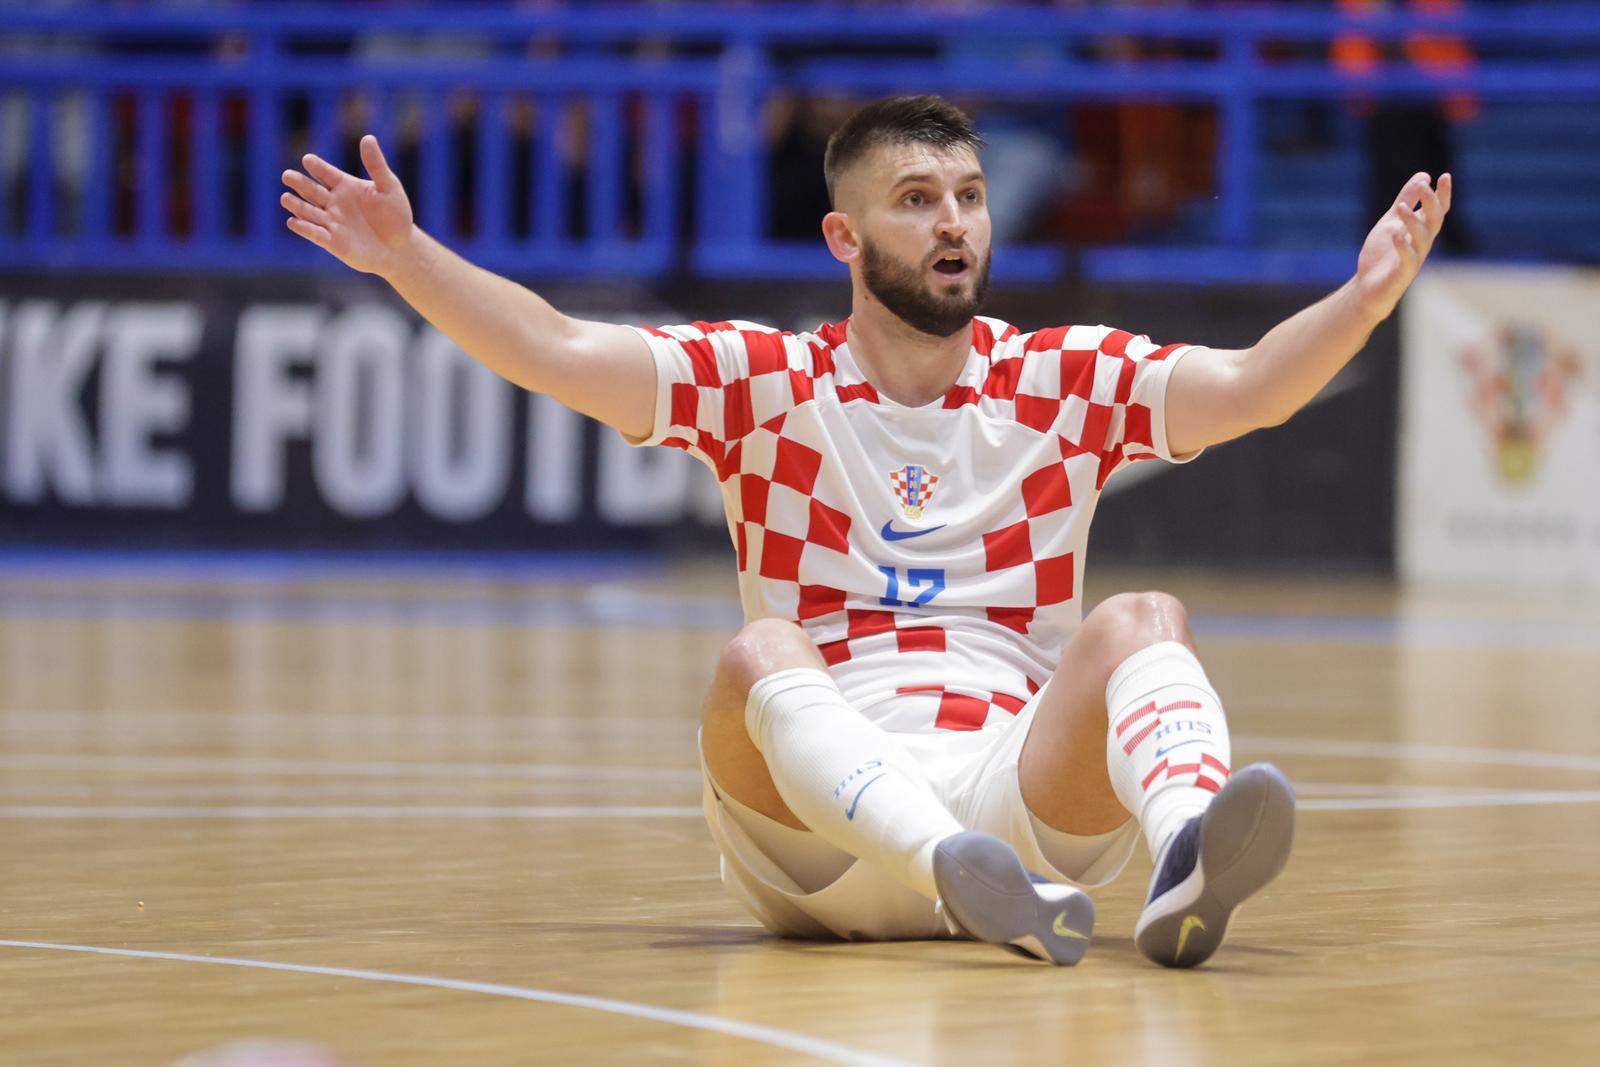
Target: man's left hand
(1393,252)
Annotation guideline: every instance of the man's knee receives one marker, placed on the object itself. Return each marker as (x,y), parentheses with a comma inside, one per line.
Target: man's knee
(1121,625)
(736,766)
(765,646)
(762,647)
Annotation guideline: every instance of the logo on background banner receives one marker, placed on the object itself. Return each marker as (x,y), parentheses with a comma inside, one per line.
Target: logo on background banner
(1520,384)
(913,487)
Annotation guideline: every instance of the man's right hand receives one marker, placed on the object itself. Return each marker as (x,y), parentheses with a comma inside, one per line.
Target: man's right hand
(596,368)
(367,224)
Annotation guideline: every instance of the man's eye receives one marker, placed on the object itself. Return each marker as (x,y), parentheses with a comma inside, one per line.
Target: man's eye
(972,196)
(915,199)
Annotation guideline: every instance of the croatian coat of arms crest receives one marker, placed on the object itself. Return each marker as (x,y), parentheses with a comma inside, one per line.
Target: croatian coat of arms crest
(914,485)
(1520,383)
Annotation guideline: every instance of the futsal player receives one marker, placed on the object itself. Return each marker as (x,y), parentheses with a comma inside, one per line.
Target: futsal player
(918,733)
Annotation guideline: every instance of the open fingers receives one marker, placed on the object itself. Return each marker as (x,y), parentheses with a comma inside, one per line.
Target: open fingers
(311,232)
(1416,228)
(309,191)
(1432,212)
(1447,187)
(1411,191)
(377,166)
(300,209)
(325,172)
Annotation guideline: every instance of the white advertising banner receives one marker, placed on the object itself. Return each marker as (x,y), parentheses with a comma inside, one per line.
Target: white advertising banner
(1499,482)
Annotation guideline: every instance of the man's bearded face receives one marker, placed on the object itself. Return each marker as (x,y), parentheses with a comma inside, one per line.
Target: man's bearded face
(915,296)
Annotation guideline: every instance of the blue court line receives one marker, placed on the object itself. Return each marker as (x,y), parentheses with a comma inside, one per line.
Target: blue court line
(1386,630)
(274,605)
(631,606)
(222,565)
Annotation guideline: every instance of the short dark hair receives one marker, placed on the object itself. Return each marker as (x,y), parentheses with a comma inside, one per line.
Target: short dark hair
(930,120)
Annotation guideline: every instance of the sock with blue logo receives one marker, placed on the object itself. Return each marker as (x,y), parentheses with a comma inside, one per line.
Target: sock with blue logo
(852,784)
(1167,748)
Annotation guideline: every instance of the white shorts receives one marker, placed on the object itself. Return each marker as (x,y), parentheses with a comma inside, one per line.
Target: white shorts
(975,775)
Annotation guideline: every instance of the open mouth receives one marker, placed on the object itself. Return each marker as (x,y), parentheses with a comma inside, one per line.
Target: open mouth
(951,263)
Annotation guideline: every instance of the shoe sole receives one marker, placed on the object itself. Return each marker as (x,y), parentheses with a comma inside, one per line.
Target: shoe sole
(988,894)
(1245,838)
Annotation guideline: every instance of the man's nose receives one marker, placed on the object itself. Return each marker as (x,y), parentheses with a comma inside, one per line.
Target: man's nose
(949,223)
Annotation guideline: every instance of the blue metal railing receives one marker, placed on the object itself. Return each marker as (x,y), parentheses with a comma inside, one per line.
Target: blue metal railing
(187,116)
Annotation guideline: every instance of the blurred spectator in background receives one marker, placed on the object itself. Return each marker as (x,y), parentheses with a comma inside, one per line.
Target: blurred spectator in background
(1145,161)
(1408,134)
(798,128)
(456,120)
(1079,172)
(1027,160)
(67,112)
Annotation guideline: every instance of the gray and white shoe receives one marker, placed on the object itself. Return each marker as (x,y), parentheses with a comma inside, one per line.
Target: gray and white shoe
(986,894)
(1211,865)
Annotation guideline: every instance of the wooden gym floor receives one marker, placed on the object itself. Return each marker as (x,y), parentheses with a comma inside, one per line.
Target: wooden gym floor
(454,821)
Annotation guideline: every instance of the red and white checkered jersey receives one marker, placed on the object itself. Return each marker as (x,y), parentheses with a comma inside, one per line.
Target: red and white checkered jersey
(934,554)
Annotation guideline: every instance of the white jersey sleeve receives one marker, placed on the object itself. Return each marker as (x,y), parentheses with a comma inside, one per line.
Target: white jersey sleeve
(718,381)
(1102,390)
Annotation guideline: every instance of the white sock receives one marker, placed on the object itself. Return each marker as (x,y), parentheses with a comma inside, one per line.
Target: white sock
(851,783)
(1167,749)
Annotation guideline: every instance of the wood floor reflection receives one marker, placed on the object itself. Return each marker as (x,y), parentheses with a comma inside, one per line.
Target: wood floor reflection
(469,803)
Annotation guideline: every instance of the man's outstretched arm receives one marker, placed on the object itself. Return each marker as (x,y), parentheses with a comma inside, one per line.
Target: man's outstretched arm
(1219,394)
(600,369)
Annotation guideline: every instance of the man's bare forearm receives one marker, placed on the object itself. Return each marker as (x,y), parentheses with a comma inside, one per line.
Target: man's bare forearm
(505,326)
(1224,393)
(1283,371)
(602,370)
(596,368)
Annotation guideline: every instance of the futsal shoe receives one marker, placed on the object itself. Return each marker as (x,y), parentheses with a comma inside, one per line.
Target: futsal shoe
(986,894)
(1211,865)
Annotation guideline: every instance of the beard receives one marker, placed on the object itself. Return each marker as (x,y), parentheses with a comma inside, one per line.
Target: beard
(900,288)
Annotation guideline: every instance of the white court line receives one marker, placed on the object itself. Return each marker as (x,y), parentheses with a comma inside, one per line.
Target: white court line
(1303,788)
(1499,798)
(1507,798)
(767,1035)
(341,768)
(1476,796)
(20,789)
(568,772)
(251,792)
(572,772)
(39,811)
(1423,753)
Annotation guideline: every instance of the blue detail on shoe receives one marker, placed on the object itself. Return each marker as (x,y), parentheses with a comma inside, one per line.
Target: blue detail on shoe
(1177,863)
(1163,751)
(1214,863)
(850,812)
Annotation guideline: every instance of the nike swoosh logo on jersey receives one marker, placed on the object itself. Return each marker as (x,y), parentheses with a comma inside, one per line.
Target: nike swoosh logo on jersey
(889,533)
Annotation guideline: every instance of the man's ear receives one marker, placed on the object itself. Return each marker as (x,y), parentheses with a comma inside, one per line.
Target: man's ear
(840,233)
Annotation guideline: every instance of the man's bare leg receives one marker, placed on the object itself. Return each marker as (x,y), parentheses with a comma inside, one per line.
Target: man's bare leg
(1064,774)
(778,737)
(1130,724)
(731,757)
